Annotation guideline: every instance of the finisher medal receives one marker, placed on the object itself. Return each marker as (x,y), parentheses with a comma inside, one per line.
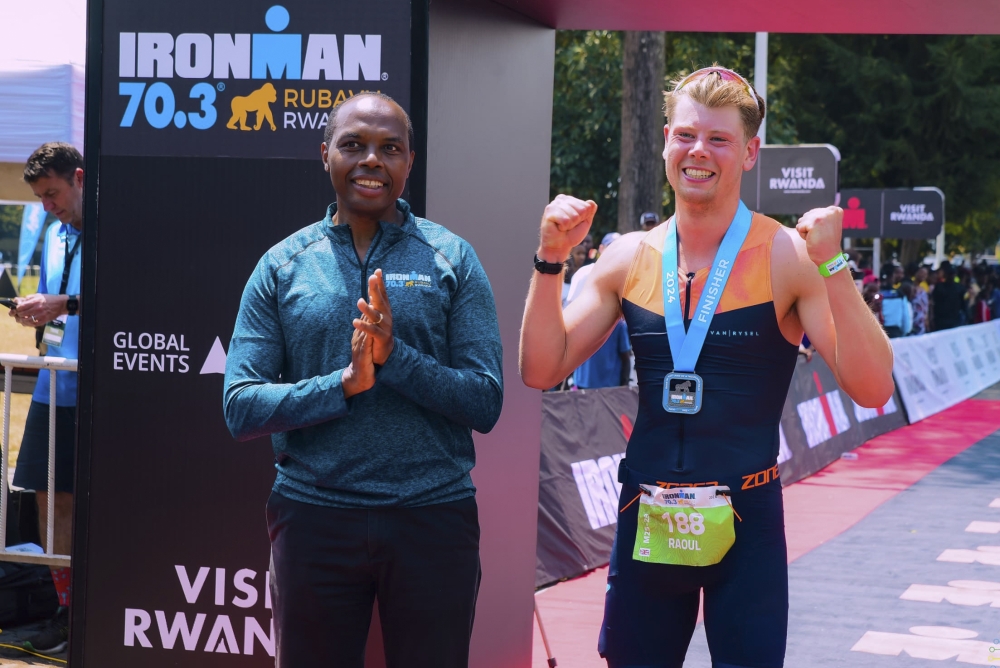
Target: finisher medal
(682,393)
(682,389)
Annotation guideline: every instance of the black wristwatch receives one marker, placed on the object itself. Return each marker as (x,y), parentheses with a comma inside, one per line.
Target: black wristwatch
(73,304)
(548,267)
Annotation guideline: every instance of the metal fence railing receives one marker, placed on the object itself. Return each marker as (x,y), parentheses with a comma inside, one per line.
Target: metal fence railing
(54,365)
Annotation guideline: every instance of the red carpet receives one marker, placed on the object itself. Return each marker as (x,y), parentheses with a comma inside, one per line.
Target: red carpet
(816,509)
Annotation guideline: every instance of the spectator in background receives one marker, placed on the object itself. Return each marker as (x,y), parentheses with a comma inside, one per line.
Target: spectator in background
(859,281)
(648,221)
(891,275)
(907,289)
(967,293)
(947,299)
(980,273)
(864,266)
(575,262)
(981,304)
(853,260)
(994,296)
(588,245)
(582,274)
(897,313)
(54,172)
(920,301)
(871,295)
(921,277)
(611,364)
(856,275)
(806,348)
(967,276)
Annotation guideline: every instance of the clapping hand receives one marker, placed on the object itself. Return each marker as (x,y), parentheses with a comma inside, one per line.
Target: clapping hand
(376,318)
(359,376)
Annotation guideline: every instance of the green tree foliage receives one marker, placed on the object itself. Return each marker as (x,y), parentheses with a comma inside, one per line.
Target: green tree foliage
(10,220)
(10,233)
(586,121)
(903,110)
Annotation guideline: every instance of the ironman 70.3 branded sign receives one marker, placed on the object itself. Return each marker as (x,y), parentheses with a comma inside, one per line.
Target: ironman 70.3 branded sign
(199,79)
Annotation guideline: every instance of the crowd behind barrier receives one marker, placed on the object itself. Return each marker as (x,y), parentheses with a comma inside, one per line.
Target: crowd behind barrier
(585,433)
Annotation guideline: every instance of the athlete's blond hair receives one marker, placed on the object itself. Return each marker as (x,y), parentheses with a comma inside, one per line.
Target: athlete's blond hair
(713,91)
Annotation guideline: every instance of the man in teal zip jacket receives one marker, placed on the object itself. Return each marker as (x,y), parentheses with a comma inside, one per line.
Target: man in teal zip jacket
(367,347)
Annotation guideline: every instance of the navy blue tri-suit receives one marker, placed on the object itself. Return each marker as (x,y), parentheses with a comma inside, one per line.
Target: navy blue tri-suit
(747,365)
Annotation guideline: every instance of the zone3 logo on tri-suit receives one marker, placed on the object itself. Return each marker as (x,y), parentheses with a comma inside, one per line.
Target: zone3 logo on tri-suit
(760,478)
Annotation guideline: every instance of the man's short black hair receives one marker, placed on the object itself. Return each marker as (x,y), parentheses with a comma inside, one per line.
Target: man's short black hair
(54,158)
(331,123)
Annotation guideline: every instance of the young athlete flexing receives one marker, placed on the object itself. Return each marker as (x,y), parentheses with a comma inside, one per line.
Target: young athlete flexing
(716,302)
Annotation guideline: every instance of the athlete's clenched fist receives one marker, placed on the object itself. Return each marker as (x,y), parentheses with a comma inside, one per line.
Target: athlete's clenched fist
(565,223)
(821,230)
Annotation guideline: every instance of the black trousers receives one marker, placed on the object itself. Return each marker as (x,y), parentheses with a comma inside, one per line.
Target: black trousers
(32,470)
(328,566)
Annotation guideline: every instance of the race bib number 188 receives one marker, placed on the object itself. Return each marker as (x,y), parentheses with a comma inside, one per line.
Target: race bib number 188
(684,526)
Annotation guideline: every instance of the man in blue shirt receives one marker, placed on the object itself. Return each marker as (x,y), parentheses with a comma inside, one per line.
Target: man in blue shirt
(367,346)
(897,312)
(610,365)
(55,174)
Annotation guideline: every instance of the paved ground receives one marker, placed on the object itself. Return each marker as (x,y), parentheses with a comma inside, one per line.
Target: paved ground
(865,542)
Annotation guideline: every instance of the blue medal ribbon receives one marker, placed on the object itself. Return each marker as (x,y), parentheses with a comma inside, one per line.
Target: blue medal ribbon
(686,345)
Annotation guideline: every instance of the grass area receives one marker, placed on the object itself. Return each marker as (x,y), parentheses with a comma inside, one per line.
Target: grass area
(15,338)
(29,285)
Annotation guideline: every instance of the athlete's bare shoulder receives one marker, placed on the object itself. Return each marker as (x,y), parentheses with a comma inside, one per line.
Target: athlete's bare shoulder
(611,269)
(793,277)
(792,270)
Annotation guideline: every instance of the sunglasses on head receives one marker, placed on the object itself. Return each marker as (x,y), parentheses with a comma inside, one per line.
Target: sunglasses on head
(724,74)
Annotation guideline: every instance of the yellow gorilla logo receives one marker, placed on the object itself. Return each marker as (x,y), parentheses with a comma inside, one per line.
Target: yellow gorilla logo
(258,101)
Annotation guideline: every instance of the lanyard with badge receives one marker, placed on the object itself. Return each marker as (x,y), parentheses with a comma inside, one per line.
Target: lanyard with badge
(683,388)
(689,526)
(56,330)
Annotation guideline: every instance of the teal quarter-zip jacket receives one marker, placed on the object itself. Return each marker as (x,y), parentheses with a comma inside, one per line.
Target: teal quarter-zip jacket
(408,440)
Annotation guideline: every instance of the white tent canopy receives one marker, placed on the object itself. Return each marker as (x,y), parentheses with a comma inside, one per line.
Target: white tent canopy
(42,54)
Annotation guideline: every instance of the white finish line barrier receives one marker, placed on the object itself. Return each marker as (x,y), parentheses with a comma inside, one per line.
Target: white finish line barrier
(936,371)
(53,364)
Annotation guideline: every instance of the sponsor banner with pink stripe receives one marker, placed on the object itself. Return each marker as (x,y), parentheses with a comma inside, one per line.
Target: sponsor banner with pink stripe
(819,422)
(938,370)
